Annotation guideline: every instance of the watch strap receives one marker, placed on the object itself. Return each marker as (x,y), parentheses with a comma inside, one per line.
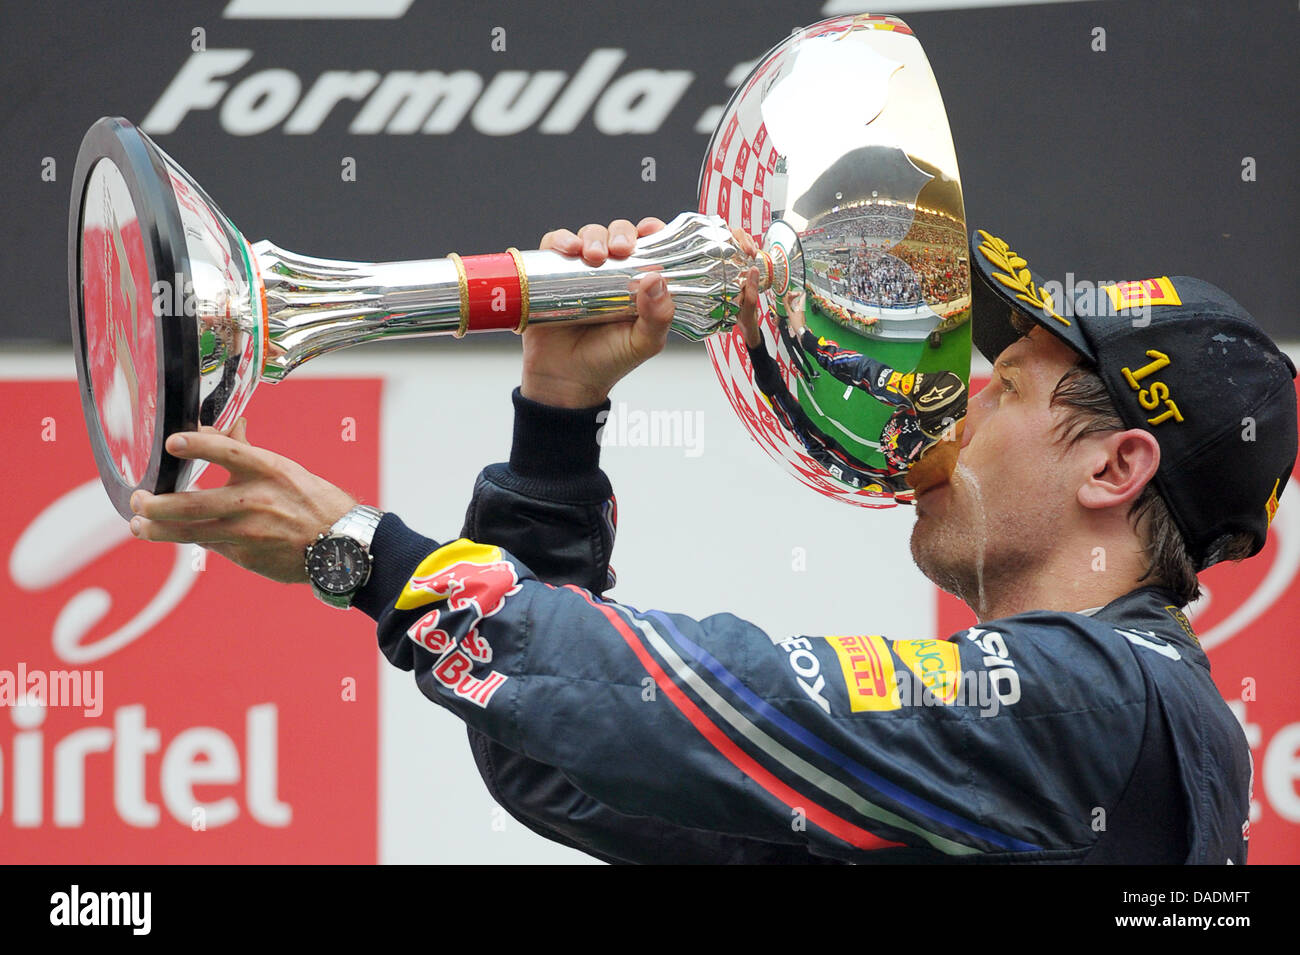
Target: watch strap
(358,524)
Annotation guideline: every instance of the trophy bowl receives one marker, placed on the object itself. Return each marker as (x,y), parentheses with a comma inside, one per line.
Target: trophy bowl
(834,155)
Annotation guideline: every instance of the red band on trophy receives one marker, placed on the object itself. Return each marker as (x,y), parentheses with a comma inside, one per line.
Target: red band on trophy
(496,294)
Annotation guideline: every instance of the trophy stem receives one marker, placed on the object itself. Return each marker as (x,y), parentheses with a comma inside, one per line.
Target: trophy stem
(314,306)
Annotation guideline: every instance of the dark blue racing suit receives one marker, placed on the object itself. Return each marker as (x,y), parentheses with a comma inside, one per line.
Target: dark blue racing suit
(645,736)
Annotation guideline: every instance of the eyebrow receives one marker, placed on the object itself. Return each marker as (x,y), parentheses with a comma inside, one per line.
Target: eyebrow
(1012,369)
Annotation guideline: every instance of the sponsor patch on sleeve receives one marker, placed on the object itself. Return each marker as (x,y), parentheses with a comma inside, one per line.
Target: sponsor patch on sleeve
(470,582)
(936,663)
(868,670)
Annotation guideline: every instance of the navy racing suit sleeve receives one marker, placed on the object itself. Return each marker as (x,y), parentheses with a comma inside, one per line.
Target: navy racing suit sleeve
(553,507)
(983,747)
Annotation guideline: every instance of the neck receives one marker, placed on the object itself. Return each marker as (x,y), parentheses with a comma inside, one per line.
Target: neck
(1075,576)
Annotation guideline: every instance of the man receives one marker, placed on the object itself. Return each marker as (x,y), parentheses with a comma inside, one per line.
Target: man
(1077,722)
(927,403)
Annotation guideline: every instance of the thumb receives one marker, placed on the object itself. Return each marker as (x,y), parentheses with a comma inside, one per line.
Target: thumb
(654,317)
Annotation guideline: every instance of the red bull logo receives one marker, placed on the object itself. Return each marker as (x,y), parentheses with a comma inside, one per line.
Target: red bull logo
(474,580)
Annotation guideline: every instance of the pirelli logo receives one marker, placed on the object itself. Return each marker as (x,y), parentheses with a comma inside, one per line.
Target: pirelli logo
(868,670)
(1142,292)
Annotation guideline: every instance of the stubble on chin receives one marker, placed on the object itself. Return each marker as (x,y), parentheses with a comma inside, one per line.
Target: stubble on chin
(942,554)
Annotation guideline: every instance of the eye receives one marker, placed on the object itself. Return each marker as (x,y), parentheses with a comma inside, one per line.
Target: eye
(1007,384)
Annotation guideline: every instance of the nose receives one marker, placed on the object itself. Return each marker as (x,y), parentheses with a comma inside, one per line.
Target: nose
(976,410)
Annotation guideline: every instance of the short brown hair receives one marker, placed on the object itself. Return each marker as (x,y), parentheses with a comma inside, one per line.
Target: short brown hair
(1088,409)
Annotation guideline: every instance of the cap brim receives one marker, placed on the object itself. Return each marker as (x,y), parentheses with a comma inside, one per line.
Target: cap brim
(994,300)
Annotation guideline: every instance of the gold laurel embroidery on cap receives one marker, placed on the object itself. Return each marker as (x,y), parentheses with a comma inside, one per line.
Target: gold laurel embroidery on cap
(1016,276)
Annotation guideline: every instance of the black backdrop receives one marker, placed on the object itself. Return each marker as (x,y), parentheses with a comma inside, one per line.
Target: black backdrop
(1118,164)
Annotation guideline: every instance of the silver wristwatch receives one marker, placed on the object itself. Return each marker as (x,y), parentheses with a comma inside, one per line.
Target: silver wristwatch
(338,561)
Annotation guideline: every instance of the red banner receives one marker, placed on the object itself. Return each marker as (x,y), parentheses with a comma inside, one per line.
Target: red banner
(178,708)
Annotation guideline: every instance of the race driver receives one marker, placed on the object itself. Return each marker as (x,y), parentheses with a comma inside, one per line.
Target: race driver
(1076,722)
(926,403)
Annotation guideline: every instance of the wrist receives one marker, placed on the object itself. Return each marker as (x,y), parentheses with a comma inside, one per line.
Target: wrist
(560,393)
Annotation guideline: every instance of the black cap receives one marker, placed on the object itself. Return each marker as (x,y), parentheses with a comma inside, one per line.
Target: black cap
(1182,361)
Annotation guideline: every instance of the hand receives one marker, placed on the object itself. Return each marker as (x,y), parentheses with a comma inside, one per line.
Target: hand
(262,519)
(794,310)
(748,317)
(575,366)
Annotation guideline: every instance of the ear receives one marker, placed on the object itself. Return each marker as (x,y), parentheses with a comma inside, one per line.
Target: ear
(1121,464)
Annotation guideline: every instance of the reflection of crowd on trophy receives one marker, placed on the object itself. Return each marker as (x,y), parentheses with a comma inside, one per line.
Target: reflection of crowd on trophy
(876,224)
(881,280)
(944,274)
(861,257)
(906,276)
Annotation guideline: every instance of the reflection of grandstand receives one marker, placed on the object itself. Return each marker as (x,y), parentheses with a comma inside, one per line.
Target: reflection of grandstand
(911,275)
(884,260)
(881,224)
(877,224)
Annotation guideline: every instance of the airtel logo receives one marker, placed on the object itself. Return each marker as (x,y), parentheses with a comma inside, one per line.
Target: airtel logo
(70,534)
(66,537)
(403,102)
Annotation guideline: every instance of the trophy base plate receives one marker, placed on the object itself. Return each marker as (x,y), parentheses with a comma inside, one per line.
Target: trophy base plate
(136,362)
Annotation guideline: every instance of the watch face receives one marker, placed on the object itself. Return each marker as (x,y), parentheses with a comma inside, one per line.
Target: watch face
(338,565)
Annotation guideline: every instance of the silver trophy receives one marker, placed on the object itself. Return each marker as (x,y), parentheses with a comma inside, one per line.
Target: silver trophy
(834,155)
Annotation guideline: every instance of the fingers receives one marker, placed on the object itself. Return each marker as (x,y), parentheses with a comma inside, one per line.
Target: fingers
(212,503)
(238,430)
(748,317)
(649,226)
(596,243)
(189,516)
(562,241)
(238,457)
(183,532)
(622,238)
(794,306)
(745,241)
